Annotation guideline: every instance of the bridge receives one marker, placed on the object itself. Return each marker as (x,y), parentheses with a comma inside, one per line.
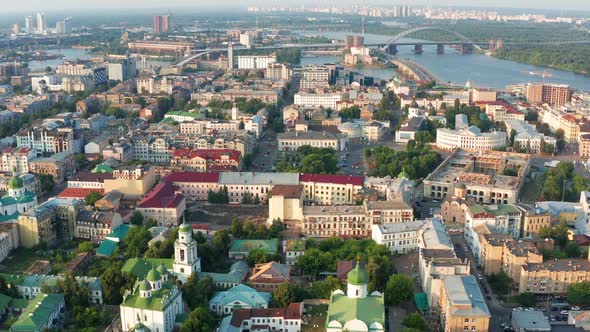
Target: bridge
(465,44)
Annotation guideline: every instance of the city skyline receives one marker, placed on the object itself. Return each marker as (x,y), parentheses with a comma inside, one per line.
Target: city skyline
(60,5)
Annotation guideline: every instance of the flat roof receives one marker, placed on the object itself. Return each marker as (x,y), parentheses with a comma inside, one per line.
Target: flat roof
(401,227)
(463,292)
(530,321)
(253,178)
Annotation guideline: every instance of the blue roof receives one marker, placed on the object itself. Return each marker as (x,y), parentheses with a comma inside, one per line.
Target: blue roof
(106,248)
(119,233)
(242,293)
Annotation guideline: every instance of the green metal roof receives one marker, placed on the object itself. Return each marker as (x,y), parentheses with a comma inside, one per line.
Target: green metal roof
(156,302)
(185,228)
(343,309)
(27,197)
(4,301)
(106,248)
(102,169)
(153,275)
(119,233)
(19,303)
(243,294)
(236,275)
(36,315)
(183,113)
(421,302)
(7,200)
(358,276)
(15,182)
(5,218)
(144,285)
(244,246)
(162,269)
(140,267)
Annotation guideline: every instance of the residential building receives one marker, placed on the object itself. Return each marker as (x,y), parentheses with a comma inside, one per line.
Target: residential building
(155,300)
(325,100)
(44,312)
(530,320)
(132,182)
(255,61)
(235,277)
(161,24)
(155,85)
(553,94)
(267,277)
(8,239)
(293,249)
(478,94)
(552,276)
(60,165)
(16,160)
(49,222)
(150,149)
(534,220)
(292,140)
(571,128)
(527,136)
(194,186)
(278,72)
(289,319)
(315,77)
(325,189)
(96,225)
(258,185)
(164,203)
(492,252)
(207,160)
(462,305)
(399,238)
(238,297)
(47,140)
(122,70)
(469,139)
(517,254)
(357,310)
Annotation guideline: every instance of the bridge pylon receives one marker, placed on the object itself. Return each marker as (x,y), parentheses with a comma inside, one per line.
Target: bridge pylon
(418,49)
(440,49)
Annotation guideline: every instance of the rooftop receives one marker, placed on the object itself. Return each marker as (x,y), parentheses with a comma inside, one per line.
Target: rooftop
(309,135)
(530,321)
(37,314)
(332,178)
(465,296)
(240,246)
(80,193)
(252,178)
(293,311)
(401,227)
(287,191)
(192,177)
(557,265)
(164,195)
(236,275)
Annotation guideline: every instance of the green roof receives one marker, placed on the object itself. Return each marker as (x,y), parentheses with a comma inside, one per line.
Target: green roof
(19,303)
(421,302)
(119,233)
(358,276)
(403,174)
(236,275)
(15,182)
(4,218)
(296,245)
(7,200)
(183,113)
(244,246)
(162,269)
(343,309)
(106,248)
(140,267)
(102,169)
(27,197)
(155,302)
(144,285)
(36,315)
(153,275)
(4,301)
(15,279)
(185,228)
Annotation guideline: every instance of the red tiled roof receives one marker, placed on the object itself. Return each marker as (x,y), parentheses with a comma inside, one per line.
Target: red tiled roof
(483,215)
(192,177)
(582,239)
(207,154)
(164,195)
(343,267)
(332,178)
(287,191)
(78,192)
(293,311)
(200,226)
(569,118)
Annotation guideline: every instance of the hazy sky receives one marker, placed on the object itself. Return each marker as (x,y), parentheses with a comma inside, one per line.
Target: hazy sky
(51,5)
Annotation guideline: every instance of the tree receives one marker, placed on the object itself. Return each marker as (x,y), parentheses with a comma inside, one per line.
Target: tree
(79,158)
(415,321)
(7,288)
(200,291)
(85,246)
(353,112)
(47,183)
(287,293)
(527,299)
(579,293)
(199,320)
(136,218)
(114,282)
(275,228)
(500,283)
(259,256)
(314,261)
(399,288)
(77,294)
(137,241)
(237,229)
(573,250)
(322,289)
(221,241)
(91,198)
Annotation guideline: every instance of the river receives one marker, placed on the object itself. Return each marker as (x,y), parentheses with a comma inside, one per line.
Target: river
(458,68)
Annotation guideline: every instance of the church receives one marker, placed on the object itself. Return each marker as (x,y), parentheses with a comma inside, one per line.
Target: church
(16,201)
(357,310)
(155,301)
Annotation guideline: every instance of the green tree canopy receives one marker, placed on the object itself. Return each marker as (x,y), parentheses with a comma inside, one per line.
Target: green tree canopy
(399,288)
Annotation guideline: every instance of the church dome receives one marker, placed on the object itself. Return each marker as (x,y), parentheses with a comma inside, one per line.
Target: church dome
(162,269)
(358,275)
(15,183)
(153,275)
(403,175)
(144,285)
(185,228)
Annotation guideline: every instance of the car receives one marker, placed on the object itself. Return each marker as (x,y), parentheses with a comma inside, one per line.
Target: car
(552,318)
(504,325)
(518,309)
(575,308)
(563,312)
(529,309)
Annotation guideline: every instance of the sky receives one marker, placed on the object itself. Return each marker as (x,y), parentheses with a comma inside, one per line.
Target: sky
(58,5)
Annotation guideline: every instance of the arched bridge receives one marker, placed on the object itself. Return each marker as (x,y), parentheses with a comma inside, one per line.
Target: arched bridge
(390,45)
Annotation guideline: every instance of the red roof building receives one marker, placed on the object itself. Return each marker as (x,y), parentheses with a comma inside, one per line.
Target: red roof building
(165,204)
(205,160)
(80,193)
(194,185)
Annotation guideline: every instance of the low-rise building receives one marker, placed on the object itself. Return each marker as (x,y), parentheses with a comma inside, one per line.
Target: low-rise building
(132,182)
(462,305)
(528,138)
(165,203)
(400,238)
(325,100)
(238,297)
(289,319)
(290,141)
(240,248)
(293,249)
(60,166)
(43,312)
(470,139)
(96,225)
(207,160)
(408,130)
(325,189)
(267,277)
(194,186)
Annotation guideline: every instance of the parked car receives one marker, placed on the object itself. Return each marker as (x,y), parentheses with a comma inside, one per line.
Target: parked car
(575,308)
(563,312)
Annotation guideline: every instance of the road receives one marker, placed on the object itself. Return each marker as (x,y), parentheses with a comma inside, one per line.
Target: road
(500,314)
(266,153)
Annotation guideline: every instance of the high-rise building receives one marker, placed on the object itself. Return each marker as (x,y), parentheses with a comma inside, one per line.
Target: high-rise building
(28,25)
(230,56)
(64,26)
(16,28)
(161,24)
(553,94)
(123,70)
(41,23)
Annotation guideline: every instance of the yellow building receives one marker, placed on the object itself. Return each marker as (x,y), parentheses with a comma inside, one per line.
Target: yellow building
(516,254)
(286,203)
(131,182)
(462,305)
(534,220)
(553,276)
(492,248)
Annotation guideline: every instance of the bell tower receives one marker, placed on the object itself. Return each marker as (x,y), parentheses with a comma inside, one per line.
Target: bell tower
(186,260)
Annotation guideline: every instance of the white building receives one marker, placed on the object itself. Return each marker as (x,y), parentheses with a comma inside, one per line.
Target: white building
(255,61)
(325,100)
(153,303)
(278,72)
(292,140)
(527,136)
(400,238)
(16,160)
(271,319)
(186,260)
(471,138)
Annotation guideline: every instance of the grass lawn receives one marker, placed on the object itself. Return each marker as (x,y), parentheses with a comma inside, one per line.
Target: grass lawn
(314,318)
(532,189)
(19,261)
